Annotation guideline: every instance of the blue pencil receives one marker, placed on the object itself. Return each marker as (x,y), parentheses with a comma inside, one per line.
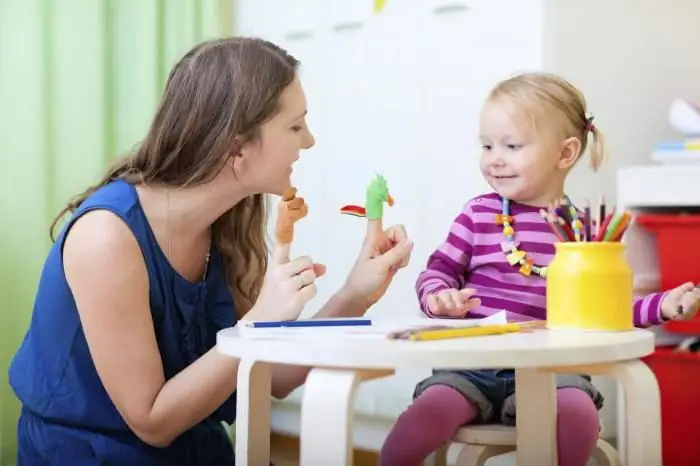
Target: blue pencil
(312,323)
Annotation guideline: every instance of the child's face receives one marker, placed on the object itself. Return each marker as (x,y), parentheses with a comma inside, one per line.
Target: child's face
(518,163)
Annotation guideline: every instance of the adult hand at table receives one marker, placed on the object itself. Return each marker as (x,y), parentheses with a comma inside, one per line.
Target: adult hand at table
(288,286)
(383,253)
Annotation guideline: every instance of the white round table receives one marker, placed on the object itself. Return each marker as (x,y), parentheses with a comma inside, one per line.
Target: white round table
(341,363)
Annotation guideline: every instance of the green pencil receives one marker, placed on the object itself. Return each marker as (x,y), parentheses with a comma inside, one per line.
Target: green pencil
(612,226)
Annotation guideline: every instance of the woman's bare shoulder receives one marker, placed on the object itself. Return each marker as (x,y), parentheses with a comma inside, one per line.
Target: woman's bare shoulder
(100,250)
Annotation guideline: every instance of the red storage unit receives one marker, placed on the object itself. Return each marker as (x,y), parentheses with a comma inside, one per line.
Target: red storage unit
(678,245)
(678,374)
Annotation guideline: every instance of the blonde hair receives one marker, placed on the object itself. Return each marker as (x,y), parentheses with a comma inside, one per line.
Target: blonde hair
(550,100)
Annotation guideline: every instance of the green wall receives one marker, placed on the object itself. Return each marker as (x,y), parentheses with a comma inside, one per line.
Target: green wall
(79,80)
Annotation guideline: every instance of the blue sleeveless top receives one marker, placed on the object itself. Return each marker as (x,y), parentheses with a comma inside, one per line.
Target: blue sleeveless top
(67,416)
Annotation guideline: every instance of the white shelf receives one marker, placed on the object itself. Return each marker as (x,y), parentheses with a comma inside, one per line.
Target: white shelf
(658,186)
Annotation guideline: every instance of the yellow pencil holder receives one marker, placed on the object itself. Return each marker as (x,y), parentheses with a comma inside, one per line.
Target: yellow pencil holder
(589,287)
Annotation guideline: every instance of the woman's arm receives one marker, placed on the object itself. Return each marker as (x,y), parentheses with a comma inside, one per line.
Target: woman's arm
(286,378)
(105,270)
(383,253)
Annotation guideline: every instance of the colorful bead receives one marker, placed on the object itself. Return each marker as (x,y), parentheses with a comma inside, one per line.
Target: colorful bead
(514,257)
(526,268)
(508,245)
(518,258)
(503,219)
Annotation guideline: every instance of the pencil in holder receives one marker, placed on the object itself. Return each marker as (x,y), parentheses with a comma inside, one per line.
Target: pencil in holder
(590,287)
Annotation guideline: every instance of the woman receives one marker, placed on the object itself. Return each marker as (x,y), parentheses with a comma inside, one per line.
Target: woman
(118,365)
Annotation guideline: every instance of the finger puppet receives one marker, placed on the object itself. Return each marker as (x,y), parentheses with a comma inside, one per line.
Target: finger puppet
(290,210)
(377,195)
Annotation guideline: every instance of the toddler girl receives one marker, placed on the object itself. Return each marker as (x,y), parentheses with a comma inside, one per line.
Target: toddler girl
(534,128)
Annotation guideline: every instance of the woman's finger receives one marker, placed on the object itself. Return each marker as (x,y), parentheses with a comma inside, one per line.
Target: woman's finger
(374,228)
(280,253)
(396,255)
(303,279)
(305,294)
(397,233)
(319,270)
(297,265)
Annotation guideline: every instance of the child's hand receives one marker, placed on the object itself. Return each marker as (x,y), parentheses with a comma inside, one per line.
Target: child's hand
(452,302)
(681,303)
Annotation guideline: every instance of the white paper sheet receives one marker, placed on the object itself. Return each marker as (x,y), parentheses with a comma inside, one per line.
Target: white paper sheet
(380,328)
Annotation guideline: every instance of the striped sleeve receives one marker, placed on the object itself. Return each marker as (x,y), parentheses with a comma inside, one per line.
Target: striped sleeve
(448,264)
(647,310)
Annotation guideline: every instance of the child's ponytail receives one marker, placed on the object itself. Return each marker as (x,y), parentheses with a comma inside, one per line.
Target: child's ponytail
(598,149)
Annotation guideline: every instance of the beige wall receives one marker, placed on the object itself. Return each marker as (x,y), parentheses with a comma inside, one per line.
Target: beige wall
(634,79)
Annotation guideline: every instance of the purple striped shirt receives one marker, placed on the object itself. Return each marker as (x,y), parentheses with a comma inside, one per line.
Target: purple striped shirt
(471,257)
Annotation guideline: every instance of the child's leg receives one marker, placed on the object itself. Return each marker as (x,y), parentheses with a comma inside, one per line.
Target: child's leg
(426,425)
(443,403)
(578,426)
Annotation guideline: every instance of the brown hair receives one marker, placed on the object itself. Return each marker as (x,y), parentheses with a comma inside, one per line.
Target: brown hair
(545,97)
(215,99)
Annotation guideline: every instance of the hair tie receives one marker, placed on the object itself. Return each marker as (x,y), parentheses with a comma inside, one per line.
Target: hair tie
(589,123)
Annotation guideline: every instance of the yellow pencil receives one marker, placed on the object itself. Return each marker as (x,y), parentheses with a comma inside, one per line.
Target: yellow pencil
(464,332)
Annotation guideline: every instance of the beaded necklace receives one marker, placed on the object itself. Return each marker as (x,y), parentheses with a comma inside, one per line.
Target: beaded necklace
(515,256)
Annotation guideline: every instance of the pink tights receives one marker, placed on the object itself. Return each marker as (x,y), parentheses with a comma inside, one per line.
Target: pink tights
(439,411)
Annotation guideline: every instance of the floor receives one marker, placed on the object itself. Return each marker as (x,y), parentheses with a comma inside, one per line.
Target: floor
(284,451)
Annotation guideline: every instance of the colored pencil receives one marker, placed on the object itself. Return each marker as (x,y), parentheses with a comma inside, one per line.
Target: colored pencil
(587,221)
(444,334)
(601,214)
(569,224)
(625,220)
(604,227)
(311,323)
(567,229)
(556,227)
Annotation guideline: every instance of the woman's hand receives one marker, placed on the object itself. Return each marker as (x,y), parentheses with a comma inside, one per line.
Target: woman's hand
(288,286)
(383,253)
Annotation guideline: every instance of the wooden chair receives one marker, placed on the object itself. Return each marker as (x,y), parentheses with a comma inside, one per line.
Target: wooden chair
(482,442)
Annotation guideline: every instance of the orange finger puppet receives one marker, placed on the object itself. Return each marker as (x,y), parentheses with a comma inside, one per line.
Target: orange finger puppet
(289,211)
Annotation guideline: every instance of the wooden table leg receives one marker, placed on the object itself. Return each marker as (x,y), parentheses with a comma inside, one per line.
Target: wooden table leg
(536,417)
(642,408)
(253,414)
(620,423)
(642,412)
(327,415)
